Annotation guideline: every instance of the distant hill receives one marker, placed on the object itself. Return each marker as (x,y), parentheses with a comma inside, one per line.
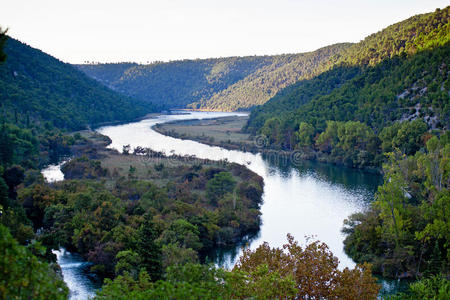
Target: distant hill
(107,74)
(212,84)
(37,88)
(258,87)
(175,84)
(399,73)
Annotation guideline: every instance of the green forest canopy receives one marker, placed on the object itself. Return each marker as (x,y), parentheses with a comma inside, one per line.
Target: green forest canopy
(224,84)
(36,88)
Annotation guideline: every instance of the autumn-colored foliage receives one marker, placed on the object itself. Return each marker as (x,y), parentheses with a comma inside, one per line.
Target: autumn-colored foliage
(313,269)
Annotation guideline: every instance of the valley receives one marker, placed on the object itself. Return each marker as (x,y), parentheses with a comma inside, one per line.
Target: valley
(315,175)
(353,188)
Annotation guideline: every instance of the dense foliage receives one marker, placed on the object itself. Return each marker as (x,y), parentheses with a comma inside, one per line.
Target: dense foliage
(398,74)
(293,272)
(147,222)
(385,99)
(214,84)
(178,83)
(36,88)
(23,275)
(258,87)
(435,287)
(24,266)
(115,223)
(406,231)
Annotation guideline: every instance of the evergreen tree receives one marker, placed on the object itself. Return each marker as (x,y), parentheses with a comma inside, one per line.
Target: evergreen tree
(149,251)
(435,263)
(6,146)
(3,194)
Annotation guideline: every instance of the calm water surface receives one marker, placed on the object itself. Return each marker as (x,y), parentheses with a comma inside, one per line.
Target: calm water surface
(304,199)
(300,197)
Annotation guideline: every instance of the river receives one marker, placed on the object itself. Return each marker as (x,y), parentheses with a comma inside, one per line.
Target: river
(301,198)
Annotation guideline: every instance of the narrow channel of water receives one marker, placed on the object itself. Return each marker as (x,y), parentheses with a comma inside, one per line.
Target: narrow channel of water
(75,270)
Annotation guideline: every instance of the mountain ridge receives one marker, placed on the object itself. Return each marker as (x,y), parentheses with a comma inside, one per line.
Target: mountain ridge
(208,84)
(37,88)
(364,78)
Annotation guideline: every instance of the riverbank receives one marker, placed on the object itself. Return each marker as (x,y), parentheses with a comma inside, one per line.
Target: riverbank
(280,180)
(216,201)
(310,198)
(98,125)
(226,132)
(145,163)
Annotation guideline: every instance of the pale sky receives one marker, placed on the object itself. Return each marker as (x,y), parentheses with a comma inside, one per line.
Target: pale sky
(141,31)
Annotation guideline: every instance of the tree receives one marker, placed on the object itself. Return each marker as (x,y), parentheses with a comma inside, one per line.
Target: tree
(305,134)
(409,136)
(435,287)
(272,130)
(391,199)
(261,283)
(173,254)
(6,146)
(14,176)
(183,233)
(387,137)
(3,194)
(353,135)
(128,261)
(23,275)
(190,281)
(219,185)
(329,138)
(149,251)
(314,269)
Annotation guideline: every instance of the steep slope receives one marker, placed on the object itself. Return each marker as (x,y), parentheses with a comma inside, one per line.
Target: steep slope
(107,74)
(37,88)
(212,84)
(260,86)
(396,74)
(179,83)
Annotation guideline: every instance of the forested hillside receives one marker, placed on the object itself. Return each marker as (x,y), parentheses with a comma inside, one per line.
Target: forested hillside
(383,104)
(37,88)
(260,86)
(398,74)
(212,84)
(176,84)
(108,74)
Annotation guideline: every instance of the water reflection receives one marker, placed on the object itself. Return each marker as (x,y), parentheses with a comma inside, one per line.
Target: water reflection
(348,178)
(226,256)
(304,199)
